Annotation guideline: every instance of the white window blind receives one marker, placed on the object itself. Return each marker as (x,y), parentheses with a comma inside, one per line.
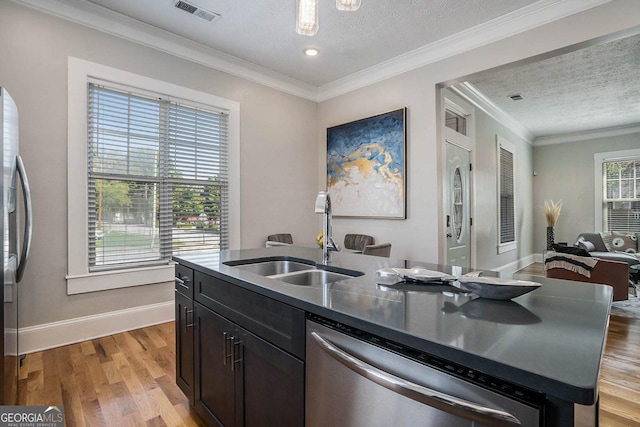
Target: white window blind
(506,189)
(157,178)
(621,202)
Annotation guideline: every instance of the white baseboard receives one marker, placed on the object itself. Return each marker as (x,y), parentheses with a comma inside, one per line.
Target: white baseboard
(508,269)
(56,334)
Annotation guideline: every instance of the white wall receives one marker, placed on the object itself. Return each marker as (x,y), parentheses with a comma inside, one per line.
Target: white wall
(278,140)
(419,236)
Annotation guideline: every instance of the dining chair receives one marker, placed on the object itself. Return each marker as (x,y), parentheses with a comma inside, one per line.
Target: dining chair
(279,239)
(382,249)
(356,242)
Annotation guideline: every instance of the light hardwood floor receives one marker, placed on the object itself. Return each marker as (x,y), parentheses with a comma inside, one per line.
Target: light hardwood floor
(128,379)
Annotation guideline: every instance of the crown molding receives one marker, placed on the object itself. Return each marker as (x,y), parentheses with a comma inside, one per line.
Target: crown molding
(521,20)
(102,19)
(587,135)
(477,98)
(107,21)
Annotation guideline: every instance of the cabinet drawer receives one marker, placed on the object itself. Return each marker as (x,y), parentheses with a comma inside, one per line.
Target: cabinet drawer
(184,280)
(273,321)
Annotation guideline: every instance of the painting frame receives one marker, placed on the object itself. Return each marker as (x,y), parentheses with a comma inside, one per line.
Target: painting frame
(366,166)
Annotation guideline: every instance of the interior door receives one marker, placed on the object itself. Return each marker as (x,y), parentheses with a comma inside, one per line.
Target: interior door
(457,209)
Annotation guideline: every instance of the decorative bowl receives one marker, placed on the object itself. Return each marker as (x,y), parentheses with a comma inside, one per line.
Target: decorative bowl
(497,288)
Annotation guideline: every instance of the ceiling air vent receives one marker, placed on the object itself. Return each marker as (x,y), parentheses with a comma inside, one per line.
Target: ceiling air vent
(195,10)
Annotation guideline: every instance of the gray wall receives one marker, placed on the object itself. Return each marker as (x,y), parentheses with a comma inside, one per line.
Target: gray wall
(278,165)
(566,172)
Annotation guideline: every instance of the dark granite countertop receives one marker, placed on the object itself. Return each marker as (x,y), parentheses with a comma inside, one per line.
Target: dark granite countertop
(550,340)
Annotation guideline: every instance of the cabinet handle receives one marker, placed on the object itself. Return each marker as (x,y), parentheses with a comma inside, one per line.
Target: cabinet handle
(183,281)
(225,348)
(186,319)
(234,360)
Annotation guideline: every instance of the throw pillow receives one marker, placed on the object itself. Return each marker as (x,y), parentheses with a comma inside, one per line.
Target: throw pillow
(586,245)
(620,242)
(571,250)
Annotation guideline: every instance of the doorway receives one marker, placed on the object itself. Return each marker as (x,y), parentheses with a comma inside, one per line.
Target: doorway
(458,184)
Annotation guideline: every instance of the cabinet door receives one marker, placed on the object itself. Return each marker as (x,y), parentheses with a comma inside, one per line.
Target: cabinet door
(214,379)
(184,345)
(271,383)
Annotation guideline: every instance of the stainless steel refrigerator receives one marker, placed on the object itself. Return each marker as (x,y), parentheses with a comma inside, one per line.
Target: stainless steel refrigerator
(14,252)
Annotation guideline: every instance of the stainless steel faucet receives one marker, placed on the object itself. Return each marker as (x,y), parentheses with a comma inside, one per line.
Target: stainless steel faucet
(323,206)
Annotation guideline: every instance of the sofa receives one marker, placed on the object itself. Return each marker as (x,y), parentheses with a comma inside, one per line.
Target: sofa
(611,246)
(605,272)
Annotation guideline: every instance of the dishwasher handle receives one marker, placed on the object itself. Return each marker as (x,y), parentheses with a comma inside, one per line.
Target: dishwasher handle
(411,390)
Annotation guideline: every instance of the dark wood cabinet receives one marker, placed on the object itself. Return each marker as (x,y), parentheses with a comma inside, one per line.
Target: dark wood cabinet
(215,392)
(272,384)
(184,330)
(184,345)
(247,355)
(242,380)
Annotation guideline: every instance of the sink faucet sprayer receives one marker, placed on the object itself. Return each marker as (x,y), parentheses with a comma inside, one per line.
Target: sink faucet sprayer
(323,206)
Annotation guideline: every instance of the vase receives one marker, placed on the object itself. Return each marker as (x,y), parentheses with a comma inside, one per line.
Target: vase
(550,238)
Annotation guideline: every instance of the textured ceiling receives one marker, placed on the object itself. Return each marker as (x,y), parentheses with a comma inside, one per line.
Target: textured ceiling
(592,88)
(263,31)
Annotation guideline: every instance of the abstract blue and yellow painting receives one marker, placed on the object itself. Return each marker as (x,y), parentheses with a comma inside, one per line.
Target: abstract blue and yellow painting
(366,166)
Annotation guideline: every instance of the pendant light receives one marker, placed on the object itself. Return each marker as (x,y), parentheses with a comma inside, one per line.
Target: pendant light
(348,4)
(307,17)
(307,14)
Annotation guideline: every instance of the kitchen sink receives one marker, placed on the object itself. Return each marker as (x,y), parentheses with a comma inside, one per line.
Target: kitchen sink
(273,267)
(293,270)
(311,277)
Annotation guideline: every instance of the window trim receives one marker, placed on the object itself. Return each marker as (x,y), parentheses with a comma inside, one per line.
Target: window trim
(508,146)
(79,279)
(598,188)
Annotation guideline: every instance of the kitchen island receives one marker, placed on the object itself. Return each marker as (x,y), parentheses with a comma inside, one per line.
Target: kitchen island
(543,348)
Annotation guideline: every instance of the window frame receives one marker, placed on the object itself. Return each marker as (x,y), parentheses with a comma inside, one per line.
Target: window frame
(79,278)
(502,143)
(599,189)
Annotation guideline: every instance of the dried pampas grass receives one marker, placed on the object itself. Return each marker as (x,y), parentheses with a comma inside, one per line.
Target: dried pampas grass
(552,211)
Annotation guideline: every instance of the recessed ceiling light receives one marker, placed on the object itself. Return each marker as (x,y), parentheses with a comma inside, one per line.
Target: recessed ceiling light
(311,51)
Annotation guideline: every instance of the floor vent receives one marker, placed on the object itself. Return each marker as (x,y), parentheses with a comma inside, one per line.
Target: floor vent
(195,10)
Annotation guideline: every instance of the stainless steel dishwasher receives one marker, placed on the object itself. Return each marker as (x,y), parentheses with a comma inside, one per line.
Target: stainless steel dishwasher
(357,379)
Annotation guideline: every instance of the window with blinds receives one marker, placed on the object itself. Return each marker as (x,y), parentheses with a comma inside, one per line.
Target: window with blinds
(506,193)
(621,202)
(157,178)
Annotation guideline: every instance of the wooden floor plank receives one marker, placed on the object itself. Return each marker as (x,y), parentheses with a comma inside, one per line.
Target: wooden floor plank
(135,387)
(620,374)
(72,402)
(619,384)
